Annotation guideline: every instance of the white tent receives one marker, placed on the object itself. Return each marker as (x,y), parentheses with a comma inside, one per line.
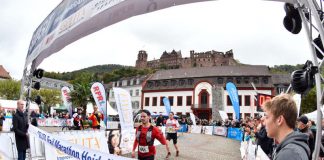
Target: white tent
(313,115)
(110,110)
(12,105)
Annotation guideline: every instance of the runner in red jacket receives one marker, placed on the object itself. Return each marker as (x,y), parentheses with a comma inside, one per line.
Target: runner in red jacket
(145,136)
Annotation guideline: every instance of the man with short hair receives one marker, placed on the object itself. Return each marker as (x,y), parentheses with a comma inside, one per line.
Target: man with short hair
(20,127)
(145,136)
(280,121)
(171,128)
(302,125)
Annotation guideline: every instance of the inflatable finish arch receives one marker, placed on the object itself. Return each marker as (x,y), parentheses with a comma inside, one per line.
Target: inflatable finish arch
(74,19)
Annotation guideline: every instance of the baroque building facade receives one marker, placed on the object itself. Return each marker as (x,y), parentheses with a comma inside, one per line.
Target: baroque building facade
(174,59)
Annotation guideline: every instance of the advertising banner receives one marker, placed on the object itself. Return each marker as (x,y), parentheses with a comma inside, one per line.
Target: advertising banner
(125,111)
(65,147)
(235,133)
(183,128)
(99,95)
(207,130)
(195,129)
(167,105)
(66,99)
(220,131)
(72,20)
(232,92)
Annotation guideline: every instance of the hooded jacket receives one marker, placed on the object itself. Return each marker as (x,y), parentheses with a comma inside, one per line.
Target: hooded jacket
(294,146)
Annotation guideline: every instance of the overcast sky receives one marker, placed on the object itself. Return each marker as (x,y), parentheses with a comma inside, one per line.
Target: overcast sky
(252,28)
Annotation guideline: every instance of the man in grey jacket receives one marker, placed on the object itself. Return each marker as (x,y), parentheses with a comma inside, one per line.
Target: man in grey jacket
(280,121)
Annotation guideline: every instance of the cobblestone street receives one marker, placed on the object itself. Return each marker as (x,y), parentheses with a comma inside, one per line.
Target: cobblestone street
(202,147)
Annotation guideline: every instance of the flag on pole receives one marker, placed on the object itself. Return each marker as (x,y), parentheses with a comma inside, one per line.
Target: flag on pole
(167,105)
(232,92)
(99,95)
(66,98)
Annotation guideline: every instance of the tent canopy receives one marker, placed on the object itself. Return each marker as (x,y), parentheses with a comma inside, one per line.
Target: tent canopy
(12,105)
(110,110)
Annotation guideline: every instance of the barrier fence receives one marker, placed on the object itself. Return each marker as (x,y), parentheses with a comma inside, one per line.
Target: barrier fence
(93,139)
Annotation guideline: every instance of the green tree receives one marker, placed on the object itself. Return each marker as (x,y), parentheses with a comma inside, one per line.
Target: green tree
(308,103)
(9,89)
(50,97)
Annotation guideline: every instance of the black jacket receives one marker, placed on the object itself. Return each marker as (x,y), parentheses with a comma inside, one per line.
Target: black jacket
(264,141)
(20,127)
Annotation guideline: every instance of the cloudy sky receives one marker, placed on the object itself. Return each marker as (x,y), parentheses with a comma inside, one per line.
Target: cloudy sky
(252,28)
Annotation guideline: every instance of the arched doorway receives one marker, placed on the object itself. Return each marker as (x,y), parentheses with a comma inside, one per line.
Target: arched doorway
(203,99)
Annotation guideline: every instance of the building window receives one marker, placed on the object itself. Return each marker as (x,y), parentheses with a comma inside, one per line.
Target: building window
(128,82)
(154,101)
(256,80)
(134,82)
(150,84)
(240,100)
(161,101)
(173,82)
(190,81)
(131,92)
(115,84)
(147,101)
(189,100)
(230,79)
(246,80)
(182,82)
(157,84)
(230,115)
(238,80)
(247,100)
(112,93)
(137,92)
(281,90)
(179,101)
(171,100)
(220,80)
(165,83)
(120,83)
(229,102)
(265,80)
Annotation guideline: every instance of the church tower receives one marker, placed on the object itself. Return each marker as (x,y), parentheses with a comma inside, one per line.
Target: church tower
(141,61)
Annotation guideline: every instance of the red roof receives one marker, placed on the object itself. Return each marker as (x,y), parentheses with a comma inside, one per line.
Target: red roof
(4,73)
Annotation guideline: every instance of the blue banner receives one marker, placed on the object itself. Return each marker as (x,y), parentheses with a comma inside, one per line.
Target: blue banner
(183,128)
(235,133)
(232,92)
(166,103)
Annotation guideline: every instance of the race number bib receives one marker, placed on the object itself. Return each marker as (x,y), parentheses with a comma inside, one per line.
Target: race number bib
(143,149)
(170,129)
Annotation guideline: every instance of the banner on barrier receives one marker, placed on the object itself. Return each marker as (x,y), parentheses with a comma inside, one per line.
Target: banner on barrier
(46,122)
(195,129)
(183,128)
(207,130)
(65,147)
(235,133)
(220,131)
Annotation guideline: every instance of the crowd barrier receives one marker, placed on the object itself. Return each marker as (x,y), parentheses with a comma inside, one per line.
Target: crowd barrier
(250,151)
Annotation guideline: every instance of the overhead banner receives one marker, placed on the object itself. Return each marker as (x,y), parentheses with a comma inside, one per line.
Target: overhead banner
(167,105)
(99,95)
(65,147)
(232,92)
(125,111)
(72,20)
(66,98)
